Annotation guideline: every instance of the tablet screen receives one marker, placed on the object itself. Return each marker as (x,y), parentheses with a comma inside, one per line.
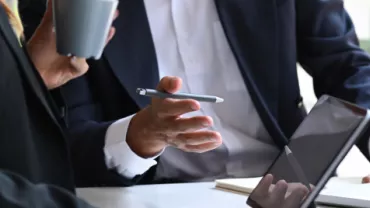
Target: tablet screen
(317,142)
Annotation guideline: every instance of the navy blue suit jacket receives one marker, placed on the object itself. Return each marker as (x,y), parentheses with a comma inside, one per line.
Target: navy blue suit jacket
(267,37)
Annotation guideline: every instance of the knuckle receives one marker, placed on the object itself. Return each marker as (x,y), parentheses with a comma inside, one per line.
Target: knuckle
(181,127)
(155,113)
(184,138)
(163,136)
(158,115)
(175,142)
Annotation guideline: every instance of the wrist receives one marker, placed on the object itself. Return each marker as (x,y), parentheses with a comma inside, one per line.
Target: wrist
(139,138)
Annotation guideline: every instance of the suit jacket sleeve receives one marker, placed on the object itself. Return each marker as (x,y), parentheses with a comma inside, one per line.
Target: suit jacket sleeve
(328,49)
(16,192)
(87,129)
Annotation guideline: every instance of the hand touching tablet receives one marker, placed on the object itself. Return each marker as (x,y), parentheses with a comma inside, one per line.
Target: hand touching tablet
(279,195)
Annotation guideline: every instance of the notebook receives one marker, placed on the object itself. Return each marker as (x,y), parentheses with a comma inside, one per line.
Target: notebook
(338,191)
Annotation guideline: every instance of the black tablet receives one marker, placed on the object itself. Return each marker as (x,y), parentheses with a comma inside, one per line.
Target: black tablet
(319,145)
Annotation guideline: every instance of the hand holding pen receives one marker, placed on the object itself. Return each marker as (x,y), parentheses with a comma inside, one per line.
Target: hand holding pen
(180,96)
(160,125)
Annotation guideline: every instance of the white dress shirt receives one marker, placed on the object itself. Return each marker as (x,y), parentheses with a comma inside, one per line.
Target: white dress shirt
(190,43)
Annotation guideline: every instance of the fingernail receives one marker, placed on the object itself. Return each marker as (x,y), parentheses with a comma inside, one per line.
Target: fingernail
(73,59)
(194,107)
(205,124)
(214,139)
(173,82)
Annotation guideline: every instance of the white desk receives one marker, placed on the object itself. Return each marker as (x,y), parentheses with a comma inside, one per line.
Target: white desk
(192,195)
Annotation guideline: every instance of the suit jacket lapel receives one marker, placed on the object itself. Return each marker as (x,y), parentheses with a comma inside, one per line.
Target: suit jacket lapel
(26,67)
(132,56)
(254,43)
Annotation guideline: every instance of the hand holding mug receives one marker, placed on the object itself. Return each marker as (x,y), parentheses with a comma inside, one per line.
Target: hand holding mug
(55,69)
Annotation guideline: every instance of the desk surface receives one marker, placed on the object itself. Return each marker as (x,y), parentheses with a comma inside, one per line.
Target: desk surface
(191,195)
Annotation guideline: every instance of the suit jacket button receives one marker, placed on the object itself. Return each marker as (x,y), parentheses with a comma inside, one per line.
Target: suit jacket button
(300,104)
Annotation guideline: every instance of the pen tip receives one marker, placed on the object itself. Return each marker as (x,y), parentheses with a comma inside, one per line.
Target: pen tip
(287,150)
(219,100)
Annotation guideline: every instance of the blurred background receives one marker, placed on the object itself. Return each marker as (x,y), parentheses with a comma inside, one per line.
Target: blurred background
(355,163)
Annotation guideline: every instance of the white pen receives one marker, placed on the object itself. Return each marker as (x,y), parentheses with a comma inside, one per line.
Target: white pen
(164,95)
(296,167)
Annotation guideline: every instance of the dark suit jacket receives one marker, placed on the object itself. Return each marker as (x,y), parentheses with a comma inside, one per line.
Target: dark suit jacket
(33,149)
(267,37)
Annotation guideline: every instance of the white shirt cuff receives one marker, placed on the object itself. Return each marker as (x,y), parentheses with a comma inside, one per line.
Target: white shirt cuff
(120,156)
